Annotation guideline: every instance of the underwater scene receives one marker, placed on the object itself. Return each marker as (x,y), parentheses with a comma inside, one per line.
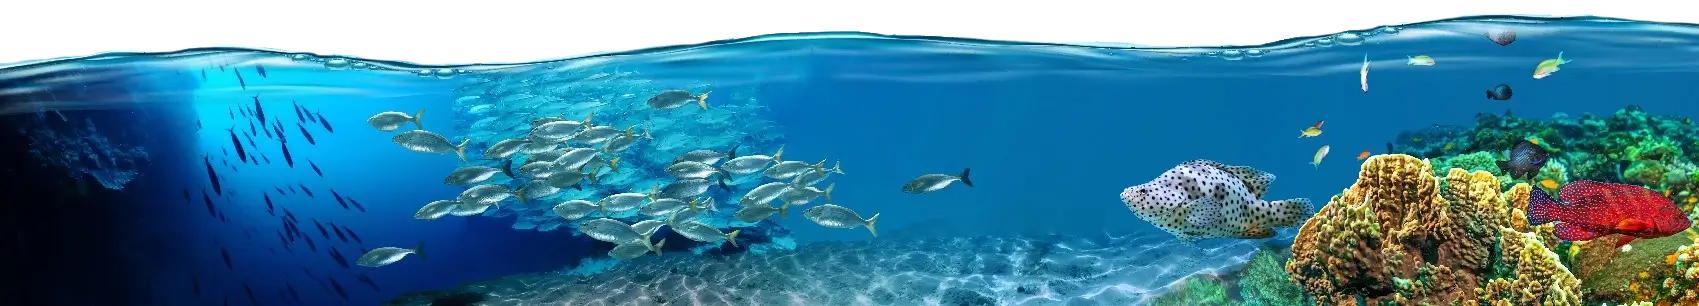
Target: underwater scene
(1490,160)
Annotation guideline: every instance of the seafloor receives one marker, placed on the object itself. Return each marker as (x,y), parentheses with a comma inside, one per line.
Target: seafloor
(987,270)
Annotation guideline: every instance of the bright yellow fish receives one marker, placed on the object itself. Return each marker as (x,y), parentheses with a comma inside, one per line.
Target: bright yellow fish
(1549,184)
(1311,131)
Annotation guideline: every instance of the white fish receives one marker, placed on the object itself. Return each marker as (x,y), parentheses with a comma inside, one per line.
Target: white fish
(647,228)
(556,131)
(625,141)
(634,250)
(675,98)
(387,255)
(391,120)
(664,206)
(934,182)
(435,209)
(798,196)
(622,202)
(596,134)
(685,188)
(755,212)
(423,141)
(574,209)
(764,193)
(705,156)
(834,216)
(753,163)
(816,176)
(788,169)
(469,209)
(575,159)
(475,174)
(704,233)
(484,194)
(534,190)
(1363,74)
(1207,199)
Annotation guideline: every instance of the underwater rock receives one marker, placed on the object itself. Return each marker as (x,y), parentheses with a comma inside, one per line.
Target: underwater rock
(1501,36)
(1399,235)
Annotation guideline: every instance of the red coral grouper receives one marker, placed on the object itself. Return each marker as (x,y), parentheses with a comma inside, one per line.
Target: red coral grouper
(1593,209)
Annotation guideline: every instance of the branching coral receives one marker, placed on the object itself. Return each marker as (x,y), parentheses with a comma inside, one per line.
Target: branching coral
(1398,236)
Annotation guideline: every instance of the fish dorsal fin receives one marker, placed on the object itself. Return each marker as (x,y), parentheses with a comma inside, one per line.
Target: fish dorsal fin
(1204,212)
(1204,162)
(1255,180)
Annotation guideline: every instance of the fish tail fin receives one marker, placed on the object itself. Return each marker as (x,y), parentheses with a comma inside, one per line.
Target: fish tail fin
(578,186)
(657,246)
(592,177)
(837,167)
(828,192)
(1541,208)
(1560,57)
(733,153)
(965,180)
(419,249)
(416,118)
(460,150)
(1489,94)
(507,167)
(777,155)
(1289,212)
(520,195)
(587,118)
(732,238)
(614,164)
(783,209)
(702,99)
(723,184)
(604,208)
(870,222)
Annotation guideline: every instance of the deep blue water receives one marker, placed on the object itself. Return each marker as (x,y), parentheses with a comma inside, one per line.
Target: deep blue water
(1051,132)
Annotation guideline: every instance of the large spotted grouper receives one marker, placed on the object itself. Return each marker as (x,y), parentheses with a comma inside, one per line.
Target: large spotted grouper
(1207,199)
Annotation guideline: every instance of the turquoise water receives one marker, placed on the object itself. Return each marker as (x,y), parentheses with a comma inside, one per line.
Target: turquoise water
(1051,133)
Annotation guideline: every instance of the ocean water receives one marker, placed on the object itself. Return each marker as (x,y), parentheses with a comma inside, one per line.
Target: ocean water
(118,152)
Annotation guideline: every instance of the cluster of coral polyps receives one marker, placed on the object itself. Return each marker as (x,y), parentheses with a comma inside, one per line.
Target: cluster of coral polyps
(1399,236)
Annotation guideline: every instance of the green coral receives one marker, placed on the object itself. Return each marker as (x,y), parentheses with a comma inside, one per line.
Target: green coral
(1482,161)
(1200,290)
(1649,172)
(1266,283)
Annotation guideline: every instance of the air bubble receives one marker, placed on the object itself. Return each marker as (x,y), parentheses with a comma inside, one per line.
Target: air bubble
(423,72)
(1349,39)
(445,73)
(362,65)
(337,63)
(1254,53)
(300,57)
(1324,42)
(1389,30)
(1233,55)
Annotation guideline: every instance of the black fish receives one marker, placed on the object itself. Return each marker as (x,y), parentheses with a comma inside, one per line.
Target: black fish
(186,198)
(230,112)
(197,124)
(292,190)
(259,111)
(1500,92)
(338,287)
(251,143)
(338,257)
(240,152)
(195,282)
(352,234)
(278,130)
(324,122)
(269,209)
(1388,148)
(339,200)
(315,168)
(250,126)
(279,190)
(287,158)
(310,245)
(260,69)
(292,294)
(357,205)
(226,253)
(213,175)
(250,291)
(304,133)
(309,192)
(208,199)
(267,133)
(310,115)
(203,75)
(368,281)
(298,116)
(267,158)
(322,232)
(241,81)
(338,231)
(1526,159)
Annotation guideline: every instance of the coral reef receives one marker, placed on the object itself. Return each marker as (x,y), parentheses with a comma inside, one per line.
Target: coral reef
(84,151)
(1398,236)
(983,270)
(1264,282)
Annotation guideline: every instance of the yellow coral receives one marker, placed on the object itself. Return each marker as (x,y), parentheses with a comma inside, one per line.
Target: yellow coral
(1396,224)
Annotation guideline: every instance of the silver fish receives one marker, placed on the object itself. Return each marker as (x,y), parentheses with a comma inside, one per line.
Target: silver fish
(534,190)
(752,163)
(704,156)
(621,202)
(610,230)
(574,209)
(471,175)
(675,98)
(535,147)
(469,209)
(704,233)
(788,169)
(387,255)
(625,141)
(575,158)
(597,134)
(691,170)
(647,227)
(634,250)
(685,188)
(834,216)
(801,196)
(391,120)
(506,148)
(934,182)
(435,209)
(664,206)
(557,131)
(423,141)
(755,212)
(537,170)
(763,194)
(485,194)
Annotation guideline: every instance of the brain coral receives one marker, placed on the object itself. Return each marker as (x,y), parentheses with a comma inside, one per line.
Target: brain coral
(1398,236)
